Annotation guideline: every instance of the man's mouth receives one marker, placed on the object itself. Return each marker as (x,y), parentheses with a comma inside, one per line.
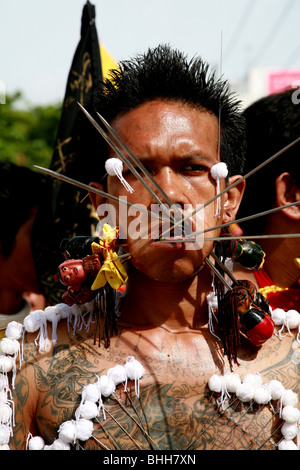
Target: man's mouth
(172,236)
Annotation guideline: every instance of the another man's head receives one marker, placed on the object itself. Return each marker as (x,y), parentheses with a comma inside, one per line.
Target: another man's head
(273,122)
(21,192)
(167,109)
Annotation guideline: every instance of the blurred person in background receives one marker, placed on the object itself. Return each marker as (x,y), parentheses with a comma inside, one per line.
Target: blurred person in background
(21,193)
(273,122)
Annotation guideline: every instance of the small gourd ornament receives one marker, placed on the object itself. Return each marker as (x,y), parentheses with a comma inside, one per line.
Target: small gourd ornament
(242,311)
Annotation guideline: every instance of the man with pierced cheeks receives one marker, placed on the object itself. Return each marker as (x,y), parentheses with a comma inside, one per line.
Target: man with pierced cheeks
(180,121)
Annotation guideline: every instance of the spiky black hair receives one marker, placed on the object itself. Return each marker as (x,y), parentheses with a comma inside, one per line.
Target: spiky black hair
(167,73)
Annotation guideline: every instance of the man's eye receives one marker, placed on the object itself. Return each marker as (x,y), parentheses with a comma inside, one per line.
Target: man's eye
(194,168)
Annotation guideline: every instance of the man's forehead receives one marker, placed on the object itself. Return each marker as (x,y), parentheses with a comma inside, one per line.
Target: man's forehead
(185,131)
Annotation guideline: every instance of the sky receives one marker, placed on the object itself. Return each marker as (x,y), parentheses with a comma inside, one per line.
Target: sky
(38,38)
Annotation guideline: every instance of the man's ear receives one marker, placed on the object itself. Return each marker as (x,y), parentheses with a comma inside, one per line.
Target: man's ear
(233,198)
(96,199)
(287,192)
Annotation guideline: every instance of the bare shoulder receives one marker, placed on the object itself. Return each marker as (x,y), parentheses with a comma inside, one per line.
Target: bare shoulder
(47,387)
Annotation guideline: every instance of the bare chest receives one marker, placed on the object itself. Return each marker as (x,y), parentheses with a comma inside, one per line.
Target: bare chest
(171,406)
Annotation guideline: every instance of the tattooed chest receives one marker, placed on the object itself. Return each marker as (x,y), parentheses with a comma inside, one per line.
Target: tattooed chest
(170,417)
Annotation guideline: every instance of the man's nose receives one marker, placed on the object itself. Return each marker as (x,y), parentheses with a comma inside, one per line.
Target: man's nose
(172,186)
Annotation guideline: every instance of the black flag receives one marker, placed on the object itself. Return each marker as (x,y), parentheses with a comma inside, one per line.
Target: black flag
(68,213)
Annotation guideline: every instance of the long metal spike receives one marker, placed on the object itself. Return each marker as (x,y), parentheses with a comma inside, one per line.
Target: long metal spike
(233,185)
(203,431)
(245,219)
(218,274)
(123,429)
(243,414)
(86,187)
(244,431)
(222,265)
(240,237)
(126,161)
(137,161)
(109,435)
(141,427)
(227,423)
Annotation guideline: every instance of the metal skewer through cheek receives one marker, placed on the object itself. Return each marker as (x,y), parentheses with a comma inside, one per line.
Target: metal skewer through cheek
(191,238)
(138,163)
(91,189)
(128,163)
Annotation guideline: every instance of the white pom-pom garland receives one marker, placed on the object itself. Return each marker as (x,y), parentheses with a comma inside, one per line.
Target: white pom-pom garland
(253,390)
(292,319)
(289,431)
(117,374)
(33,321)
(83,429)
(232,382)
(72,431)
(289,398)
(290,414)
(67,432)
(6,364)
(245,392)
(59,444)
(288,320)
(36,443)
(87,410)
(262,395)
(134,371)
(278,316)
(14,330)
(5,433)
(53,316)
(114,167)
(5,413)
(4,447)
(106,386)
(276,389)
(10,346)
(90,393)
(215,383)
(287,445)
(253,379)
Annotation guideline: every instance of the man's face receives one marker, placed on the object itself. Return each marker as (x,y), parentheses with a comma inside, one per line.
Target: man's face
(178,144)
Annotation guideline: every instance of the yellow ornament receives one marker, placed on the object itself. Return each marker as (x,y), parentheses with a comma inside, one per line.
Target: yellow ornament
(112,270)
(297,261)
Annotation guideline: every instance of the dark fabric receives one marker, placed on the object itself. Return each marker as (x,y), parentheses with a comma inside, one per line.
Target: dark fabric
(65,215)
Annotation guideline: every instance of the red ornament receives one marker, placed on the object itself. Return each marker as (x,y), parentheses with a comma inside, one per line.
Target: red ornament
(258,325)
